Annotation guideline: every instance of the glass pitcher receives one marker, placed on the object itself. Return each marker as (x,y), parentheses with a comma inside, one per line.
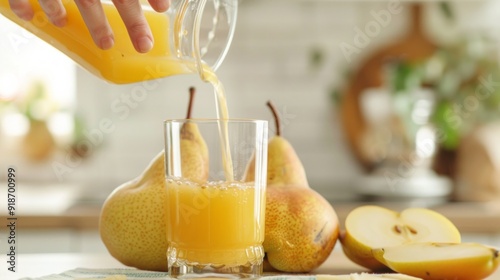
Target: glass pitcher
(193,36)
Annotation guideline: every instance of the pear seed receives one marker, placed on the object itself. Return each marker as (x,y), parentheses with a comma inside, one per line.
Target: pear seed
(412,230)
(397,229)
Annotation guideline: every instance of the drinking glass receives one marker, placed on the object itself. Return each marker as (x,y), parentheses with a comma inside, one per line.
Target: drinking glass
(215,179)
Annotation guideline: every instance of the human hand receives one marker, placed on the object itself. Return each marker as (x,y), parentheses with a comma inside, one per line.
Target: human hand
(96,21)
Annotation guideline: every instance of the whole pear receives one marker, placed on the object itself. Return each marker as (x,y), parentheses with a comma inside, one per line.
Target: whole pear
(133,220)
(301,226)
(194,151)
(133,224)
(301,229)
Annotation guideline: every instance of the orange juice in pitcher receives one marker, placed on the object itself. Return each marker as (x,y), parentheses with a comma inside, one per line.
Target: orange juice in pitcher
(184,40)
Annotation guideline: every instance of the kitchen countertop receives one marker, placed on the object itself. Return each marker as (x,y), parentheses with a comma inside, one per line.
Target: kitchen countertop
(37,265)
(468,217)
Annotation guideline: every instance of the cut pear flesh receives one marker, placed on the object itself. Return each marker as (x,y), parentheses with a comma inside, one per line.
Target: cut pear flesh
(352,276)
(379,227)
(453,261)
(368,227)
(367,276)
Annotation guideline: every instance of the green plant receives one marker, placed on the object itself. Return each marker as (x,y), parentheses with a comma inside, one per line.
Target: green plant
(465,80)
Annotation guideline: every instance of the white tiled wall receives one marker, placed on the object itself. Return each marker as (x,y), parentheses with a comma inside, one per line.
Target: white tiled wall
(269,59)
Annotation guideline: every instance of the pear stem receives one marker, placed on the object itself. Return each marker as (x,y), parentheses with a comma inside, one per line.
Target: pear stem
(192,91)
(276,117)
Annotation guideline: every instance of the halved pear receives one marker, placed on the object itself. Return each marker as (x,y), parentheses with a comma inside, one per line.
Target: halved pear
(368,227)
(433,261)
(367,276)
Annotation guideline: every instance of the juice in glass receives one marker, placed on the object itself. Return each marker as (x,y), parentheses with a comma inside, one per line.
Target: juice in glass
(216,223)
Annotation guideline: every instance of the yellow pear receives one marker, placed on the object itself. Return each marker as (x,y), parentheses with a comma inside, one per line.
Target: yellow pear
(194,151)
(368,227)
(438,261)
(283,165)
(133,220)
(132,223)
(301,227)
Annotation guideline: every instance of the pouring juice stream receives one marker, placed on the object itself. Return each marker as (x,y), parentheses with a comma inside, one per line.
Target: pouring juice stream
(222,114)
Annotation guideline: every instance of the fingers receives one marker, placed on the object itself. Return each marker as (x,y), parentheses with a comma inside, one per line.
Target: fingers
(95,19)
(137,26)
(160,5)
(22,8)
(97,24)
(55,11)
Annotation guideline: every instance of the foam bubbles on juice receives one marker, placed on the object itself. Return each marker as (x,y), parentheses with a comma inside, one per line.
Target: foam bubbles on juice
(219,185)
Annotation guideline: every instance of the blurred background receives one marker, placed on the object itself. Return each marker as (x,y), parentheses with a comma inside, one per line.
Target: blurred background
(391,102)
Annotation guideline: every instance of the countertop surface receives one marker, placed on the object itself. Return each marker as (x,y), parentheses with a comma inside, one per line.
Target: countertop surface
(38,265)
